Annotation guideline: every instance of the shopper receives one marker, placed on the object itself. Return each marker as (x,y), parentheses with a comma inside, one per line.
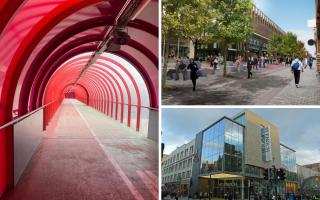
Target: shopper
(310,62)
(178,62)
(193,75)
(296,68)
(305,63)
(215,62)
(255,62)
(249,66)
(238,62)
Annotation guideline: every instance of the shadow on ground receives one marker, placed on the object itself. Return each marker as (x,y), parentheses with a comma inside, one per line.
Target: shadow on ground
(234,89)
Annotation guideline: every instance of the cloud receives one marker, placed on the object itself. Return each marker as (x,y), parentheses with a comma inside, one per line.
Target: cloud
(305,157)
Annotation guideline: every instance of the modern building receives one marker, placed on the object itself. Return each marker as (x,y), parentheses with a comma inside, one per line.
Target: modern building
(309,181)
(230,157)
(288,162)
(313,166)
(177,168)
(263,28)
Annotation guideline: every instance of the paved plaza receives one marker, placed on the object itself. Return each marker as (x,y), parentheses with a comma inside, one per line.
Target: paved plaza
(273,85)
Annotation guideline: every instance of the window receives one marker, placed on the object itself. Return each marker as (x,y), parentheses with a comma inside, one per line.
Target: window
(188,174)
(184,164)
(189,162)
(183,175)
(191,150)
(186,152)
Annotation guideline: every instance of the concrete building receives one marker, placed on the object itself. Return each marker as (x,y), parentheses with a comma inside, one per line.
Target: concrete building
(305,173)
(309,181)
(177,168)
(314,166)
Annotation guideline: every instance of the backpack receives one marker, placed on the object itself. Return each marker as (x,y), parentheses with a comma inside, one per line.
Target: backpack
(295,66)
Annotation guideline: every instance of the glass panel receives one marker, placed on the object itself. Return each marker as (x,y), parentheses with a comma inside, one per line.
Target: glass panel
(144,120)
(133,117)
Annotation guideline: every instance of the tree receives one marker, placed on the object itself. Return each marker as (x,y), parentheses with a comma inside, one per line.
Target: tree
(289,45)
(188,19)
(275,44)
(233,23)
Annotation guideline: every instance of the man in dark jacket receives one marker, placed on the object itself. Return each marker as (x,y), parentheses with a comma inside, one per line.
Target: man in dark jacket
(193,75)
(249,66)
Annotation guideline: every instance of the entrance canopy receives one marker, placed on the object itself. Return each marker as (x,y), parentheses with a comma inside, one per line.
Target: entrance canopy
(222,176)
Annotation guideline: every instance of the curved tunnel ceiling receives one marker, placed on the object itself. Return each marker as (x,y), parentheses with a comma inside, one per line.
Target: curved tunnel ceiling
(48,43)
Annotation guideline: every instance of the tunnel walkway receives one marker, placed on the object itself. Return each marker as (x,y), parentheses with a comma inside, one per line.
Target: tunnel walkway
(89,156)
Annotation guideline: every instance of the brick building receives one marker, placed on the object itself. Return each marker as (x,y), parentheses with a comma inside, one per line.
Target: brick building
(263,28)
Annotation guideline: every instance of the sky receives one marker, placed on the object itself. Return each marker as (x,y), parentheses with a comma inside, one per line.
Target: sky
(291,15)
(299,128)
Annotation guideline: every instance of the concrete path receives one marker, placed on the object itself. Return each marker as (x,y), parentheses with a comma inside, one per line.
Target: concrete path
(89,156)
(272,85)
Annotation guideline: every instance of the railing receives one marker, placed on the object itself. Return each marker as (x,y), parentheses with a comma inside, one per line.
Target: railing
(16,120)
(140,118)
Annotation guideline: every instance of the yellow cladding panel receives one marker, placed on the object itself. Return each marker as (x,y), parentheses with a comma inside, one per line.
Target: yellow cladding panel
(253,154)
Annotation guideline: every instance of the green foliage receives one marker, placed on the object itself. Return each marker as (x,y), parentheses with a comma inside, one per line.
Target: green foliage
(232,23)
(287,45)
(233,20)
(189,19)
(275,42)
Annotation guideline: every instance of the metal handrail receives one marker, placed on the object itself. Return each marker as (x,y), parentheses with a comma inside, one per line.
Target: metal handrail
(23,116)
(151,108)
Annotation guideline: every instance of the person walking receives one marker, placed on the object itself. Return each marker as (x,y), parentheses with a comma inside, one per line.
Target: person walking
(296,68)
(310,62)
(178,62)
(263,61)
(255,62)
(193,75)
(249,66)
(238,62)
(305,63)
(215,62)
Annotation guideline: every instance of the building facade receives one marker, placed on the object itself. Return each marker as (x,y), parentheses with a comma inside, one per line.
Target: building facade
(232,156)
(314,166)
(177,168)
(263,28)
(288,162)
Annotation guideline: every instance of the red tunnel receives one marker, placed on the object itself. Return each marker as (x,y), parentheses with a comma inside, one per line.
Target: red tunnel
(46,50)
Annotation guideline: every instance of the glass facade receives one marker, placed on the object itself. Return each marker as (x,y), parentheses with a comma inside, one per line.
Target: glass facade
(222,147)
(241,119)
(288,159)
